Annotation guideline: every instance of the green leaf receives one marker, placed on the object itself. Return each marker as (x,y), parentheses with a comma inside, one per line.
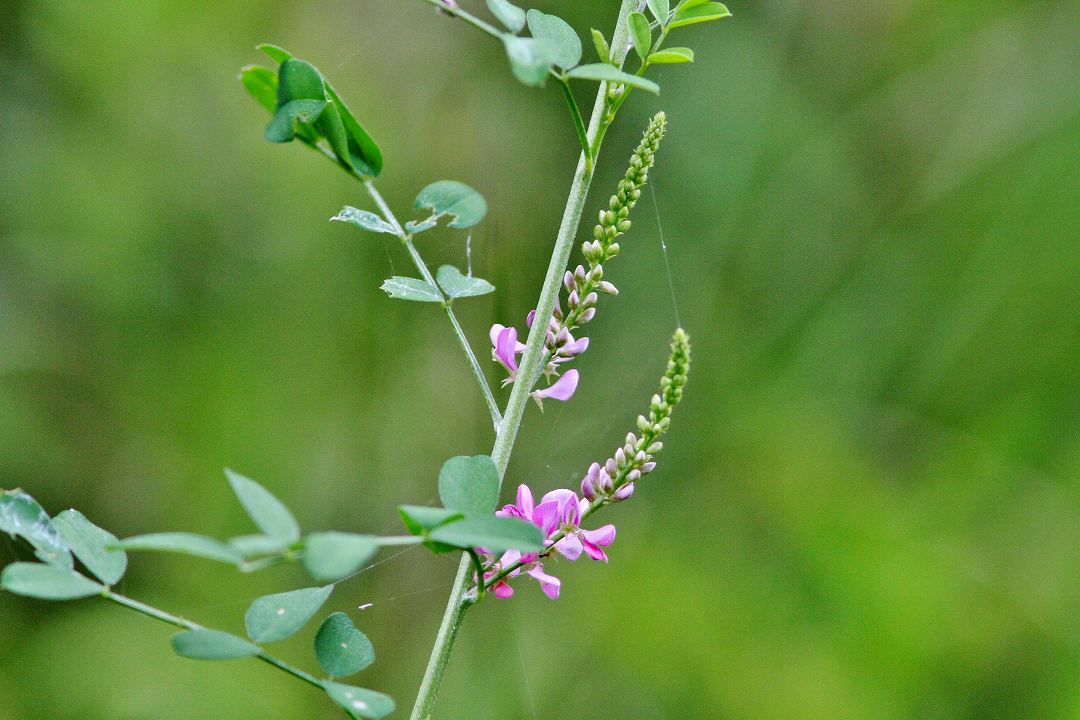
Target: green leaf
(299,80)
(691,13)
(91,545)
(450,197)
(331,556)
(420,519)
(251,546)
(364,220)
(508,14)
(660,10)
(672,55)
(640,34)
(405,288)
(605,72)
(565,42)
(212,645)
(364,152)
(497,534)
(186,544)
(340,648)
(603,50)
(530,58)
(469,485)
(290,118)
(414,228)
(276,53)
(276,617)
(47,582)
(359,701)
(456,285)
(261,83)
(21,515)
(268,513)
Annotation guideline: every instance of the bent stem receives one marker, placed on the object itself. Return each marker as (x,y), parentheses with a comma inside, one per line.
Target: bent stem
(529,370)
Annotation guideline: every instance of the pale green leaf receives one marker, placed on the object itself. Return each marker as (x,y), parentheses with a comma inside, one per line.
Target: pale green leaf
(340,648)
(21,515)
(405,288)
(660,10)
(450,197)
(456,285)
(359,701)
(672,55)
(603,50)
(698,13)
(276,617)
(420,519)
(364,220)
(508,14)
(276,53)
(91,545)
(252,546)
(185,544)
(530,58)
(414,227)
(557,32)
(261,83)
(605,72)
(497,534)
(269,514)
(47,582)
(640,33)
(469,485)
(212,645)
(330,556)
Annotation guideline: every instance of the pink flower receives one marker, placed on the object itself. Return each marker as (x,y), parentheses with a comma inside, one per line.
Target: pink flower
(506,348)
(562,389)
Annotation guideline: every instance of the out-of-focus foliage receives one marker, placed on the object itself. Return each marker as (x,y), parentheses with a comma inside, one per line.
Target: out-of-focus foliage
(868,507)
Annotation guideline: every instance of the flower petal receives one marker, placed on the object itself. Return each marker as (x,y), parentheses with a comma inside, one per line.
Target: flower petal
(546,517)
(525,500)
(503,590)
(569,547)
(548,583)
(563,389)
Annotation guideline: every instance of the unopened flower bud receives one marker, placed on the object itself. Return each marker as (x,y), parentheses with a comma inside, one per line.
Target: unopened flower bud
(579,275)
(568,281)
(631,438)
(623,493)
(640,457)
(655,448)
(623,226)
(648,468)
(633,476)
(596,273)
(608,288)
(590,299)
(572,299)
(613,249)
(620,458)
(588,315)
(604,482)
(611,469)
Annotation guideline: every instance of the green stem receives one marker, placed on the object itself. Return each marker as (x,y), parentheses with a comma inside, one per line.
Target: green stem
(470,19)
(406,240)
(529,370)
(579,123)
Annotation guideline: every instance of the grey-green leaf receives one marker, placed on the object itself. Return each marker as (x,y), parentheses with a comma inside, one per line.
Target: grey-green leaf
(212,645)
(558,32)
(340,648)
(252,546)
(330,556)
(640,33)
(530,58)
(360,701)
(269,514)
(286,121)
(186,544)
(405,288)
(698,13)
(415,227)
(364,220)
(419,519)
(91,545)
(660,10)
(672,55)
(603,50)
(456,285)
(497,534)
(469,485)
(609,73)
(508,14)
(450,197)
(276,617)
(21,515)
(47,582)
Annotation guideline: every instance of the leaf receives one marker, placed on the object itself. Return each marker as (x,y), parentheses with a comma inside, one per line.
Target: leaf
(91,545)
(269,514)
(289,117)
(212,645)
(450,197)
(359,701)
(640,34)
(340,648)
(251,546)
(276,617)
(404,288)
(508,14)
(698,13)
(331,556)
(420,519)
(608,73)
(469,485)
(497,534)
(299,80)
(364,220)
(276,53)
(530,58)
(565,42)
(660,10)
(21,515)
(603,50)
(261,83)
(672,55)
(365,153)
(456,285)
(47,582)
(186,544)
(414,228)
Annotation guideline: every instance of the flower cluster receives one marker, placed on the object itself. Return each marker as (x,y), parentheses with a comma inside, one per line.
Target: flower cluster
(583,286)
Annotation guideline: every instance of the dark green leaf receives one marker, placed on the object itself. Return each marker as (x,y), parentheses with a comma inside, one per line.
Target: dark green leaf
(672,55)
(450,197)
(299,80)
(469,485)
(186,544)
(290,117)
(276,617)
(340,648)
(261,82)
(364,220)
(404,288)
(691,13)
(660,10)
(497,534)
(363,151)
(603,51)
(456,285)
(251,546)
(331,556)
(530,58)
(47,582)
(640,33)
(91,545)
(268,513)
(604,72)
(562,37)
(21,515)
(420,519)
(212,645)
(365,703)
(508,14)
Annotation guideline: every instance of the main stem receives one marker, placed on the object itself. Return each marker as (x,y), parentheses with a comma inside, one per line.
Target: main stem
(528,372)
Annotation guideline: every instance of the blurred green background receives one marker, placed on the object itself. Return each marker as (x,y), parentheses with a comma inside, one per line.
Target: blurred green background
(868,504)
